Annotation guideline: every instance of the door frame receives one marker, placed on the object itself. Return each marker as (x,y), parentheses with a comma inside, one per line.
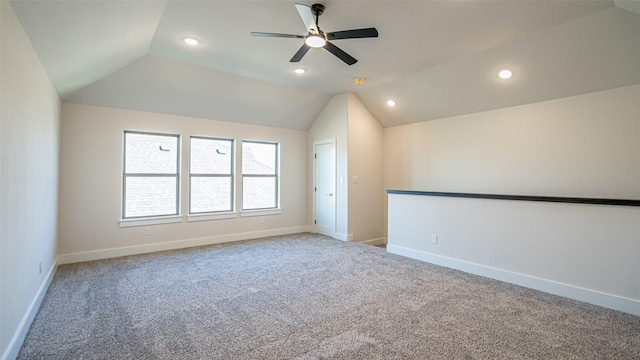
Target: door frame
(331,142)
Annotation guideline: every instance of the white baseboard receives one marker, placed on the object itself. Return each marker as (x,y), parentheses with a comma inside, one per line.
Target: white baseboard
(631,306)
(172,245)
(379,241)
(343,237)
(18,338)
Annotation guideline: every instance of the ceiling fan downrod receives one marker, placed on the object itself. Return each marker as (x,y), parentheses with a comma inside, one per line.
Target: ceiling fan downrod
(317,10)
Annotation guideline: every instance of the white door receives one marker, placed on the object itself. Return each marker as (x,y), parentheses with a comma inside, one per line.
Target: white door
(324,182)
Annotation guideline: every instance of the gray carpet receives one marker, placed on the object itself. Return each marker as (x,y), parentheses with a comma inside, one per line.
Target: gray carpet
(307,296)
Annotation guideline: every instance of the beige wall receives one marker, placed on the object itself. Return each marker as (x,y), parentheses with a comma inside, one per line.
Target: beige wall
(91,180)
(29,132)
(332,124)
(359,150)
(366,195)
(582,146)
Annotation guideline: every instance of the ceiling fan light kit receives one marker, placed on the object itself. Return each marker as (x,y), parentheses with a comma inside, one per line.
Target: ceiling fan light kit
(315,41)
(316,38)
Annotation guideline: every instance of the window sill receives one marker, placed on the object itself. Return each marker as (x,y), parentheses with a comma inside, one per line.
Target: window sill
(150,221)
(261,212)
(207,217)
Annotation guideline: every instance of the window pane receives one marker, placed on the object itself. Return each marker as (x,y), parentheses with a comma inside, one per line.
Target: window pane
(258,158)
(150,196)
(211,156)
(258,192)
(210,194)
(151,154)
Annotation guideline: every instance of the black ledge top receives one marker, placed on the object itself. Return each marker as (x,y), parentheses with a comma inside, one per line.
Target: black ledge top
(573,200)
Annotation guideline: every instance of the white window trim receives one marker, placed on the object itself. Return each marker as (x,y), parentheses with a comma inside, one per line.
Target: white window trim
(247,213)
(153,219)
(146,221)
(265,211)
(212,216)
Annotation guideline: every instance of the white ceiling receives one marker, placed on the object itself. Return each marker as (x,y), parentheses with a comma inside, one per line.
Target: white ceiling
(435,58)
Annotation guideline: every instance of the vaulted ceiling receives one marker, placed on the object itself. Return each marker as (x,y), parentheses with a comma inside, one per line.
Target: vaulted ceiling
(436,59)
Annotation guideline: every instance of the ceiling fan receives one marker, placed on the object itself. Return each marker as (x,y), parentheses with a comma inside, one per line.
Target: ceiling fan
(316,38)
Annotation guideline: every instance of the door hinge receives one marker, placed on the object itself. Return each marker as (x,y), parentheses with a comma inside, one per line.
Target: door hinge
(314,222)
(315,156)
(315,189)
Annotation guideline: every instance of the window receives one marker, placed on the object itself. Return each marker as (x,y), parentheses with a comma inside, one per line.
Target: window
(211,175)
(259,175)
(151,178)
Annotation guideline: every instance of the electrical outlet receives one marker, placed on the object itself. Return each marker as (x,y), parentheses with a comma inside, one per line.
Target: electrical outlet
(434,239)
(147,231)
(261,219)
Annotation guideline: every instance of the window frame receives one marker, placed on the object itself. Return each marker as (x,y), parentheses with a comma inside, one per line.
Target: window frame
(208,215)
(150,219)
(269,210)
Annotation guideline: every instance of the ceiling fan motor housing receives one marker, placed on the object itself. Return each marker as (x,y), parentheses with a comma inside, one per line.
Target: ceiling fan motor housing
(317,9)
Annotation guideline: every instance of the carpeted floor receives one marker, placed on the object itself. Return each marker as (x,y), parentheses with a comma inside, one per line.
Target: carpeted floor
(307,296)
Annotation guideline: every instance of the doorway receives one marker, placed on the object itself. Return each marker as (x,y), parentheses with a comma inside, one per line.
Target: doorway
(324,187)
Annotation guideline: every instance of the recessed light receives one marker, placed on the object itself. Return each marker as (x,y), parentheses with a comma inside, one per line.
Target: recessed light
(191,41)
(300,71)
(505,74)
(391,103)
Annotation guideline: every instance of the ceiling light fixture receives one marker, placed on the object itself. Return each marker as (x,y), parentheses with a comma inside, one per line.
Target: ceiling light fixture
(300,71)
(391,103)
(505,74)
(191,41)
(315,40)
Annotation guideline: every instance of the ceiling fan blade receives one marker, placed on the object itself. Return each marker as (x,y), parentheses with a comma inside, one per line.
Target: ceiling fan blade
(353,34)
(307,18)
(350,60)
(301,52)
(265,34)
